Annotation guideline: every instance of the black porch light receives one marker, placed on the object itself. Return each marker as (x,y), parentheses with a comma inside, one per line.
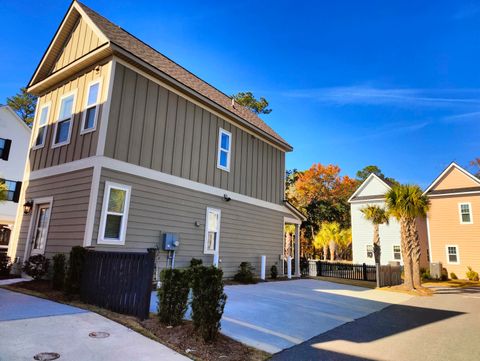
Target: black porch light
(27,207)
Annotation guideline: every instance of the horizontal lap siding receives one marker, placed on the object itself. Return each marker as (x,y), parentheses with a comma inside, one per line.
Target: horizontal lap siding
(158,129)
(70,192)
(80,146)
(246,232)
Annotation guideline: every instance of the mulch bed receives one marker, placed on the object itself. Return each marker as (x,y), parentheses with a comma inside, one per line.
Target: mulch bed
(180,338)
(183,338)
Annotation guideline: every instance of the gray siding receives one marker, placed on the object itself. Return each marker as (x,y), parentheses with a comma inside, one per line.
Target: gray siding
(246,231)
(70,192)
(80,146)
(155,128)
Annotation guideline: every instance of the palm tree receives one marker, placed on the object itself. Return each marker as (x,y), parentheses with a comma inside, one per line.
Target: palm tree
(344,241)
(3,192)
(327,238)
(377,215)
(406,203)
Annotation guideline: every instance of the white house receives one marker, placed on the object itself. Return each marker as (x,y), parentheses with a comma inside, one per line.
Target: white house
(372,192)
(14,142)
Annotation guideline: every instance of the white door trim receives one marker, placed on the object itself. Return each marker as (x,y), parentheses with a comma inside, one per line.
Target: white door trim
(33,218)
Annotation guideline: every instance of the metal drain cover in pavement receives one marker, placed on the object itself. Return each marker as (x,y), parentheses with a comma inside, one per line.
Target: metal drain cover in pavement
(46,356)
(99,334)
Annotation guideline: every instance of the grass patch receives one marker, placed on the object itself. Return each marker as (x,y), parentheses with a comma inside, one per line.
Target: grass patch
(452,283)
(181,338)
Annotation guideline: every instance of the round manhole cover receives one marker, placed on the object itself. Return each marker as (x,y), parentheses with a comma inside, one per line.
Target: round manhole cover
(99,334)
(46,356)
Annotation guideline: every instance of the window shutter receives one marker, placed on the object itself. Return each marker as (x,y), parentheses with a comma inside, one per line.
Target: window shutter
(6,149)
(16,194)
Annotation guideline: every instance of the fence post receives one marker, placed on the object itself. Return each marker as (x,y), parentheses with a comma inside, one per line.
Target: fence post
(319,268)
(377,274)
(364,271)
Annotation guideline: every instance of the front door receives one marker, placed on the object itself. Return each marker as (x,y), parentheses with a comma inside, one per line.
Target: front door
(39,239)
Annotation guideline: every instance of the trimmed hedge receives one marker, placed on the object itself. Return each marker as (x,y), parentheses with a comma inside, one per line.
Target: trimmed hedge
(58,277)
(208,301)
(36,266)
(173,296)
(245,273)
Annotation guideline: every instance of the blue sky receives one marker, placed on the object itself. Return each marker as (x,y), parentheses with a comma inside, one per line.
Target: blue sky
(396,83)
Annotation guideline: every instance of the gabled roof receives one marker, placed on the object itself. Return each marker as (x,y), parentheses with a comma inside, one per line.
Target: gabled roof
(448,169)
(136,49)
(15,116)
(356,195)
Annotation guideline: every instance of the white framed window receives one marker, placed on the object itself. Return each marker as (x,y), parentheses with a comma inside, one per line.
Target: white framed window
(90,115)
(63,125)
(369,251)
(114,218)
(465,212)
(452,254)
(212,231)
(397,253)
(42,126)
(224,149)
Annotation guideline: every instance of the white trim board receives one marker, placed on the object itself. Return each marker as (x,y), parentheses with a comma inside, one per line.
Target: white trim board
(452,165)
(117,165)
(364,184)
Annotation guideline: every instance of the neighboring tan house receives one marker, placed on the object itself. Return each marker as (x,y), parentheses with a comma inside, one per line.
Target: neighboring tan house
(14,138)
(453,220)
(128,146)
(372,192)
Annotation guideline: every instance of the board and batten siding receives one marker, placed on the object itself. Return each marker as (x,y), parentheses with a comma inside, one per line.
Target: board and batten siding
(81,145)
(155,128)
(246,231)
(81,41)
(70,192)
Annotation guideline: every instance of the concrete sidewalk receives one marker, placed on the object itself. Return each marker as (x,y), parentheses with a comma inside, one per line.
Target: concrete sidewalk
(29,325)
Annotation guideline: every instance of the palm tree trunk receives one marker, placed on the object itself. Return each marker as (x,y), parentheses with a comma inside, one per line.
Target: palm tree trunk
(416,253)
(376,243)
(325,247)
(332,250)
(406,253)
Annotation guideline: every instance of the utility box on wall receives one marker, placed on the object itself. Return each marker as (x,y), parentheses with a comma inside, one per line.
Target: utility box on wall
(170,241)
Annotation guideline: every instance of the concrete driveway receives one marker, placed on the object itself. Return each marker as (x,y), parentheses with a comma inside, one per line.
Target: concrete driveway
(29,325)
(274,316)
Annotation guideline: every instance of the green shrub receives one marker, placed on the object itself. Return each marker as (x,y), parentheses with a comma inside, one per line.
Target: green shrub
(5,265)
(173,296)
(195,262)
(273,272)
(58,278)
(208,301)
(36,266)
(245,273)
(76,261)
(471,274)
(453,276)
(425,274)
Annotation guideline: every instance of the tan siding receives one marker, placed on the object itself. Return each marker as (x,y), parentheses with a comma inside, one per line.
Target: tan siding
(185,139)
(80,146)
(82,40)
(70,192)
(446,229)
(455,179)
(246,233)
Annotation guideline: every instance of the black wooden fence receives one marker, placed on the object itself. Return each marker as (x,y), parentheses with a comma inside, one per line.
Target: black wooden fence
(119,281)
(361,272)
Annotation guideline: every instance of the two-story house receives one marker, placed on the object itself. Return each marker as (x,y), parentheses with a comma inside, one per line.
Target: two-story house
(14,138)
(453,225)
(128,145)
(372,192)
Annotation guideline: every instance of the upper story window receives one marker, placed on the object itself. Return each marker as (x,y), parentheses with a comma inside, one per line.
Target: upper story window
(212,231)
(63,126)
(113,224)
(90,114)
(224,149)
(42,126)
(5,148)
(12,191)
(397,254)
(465,210)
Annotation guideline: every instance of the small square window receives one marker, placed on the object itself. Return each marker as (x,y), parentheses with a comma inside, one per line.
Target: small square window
(5,145)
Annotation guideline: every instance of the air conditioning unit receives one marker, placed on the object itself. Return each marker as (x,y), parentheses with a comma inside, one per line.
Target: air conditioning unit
(436,270)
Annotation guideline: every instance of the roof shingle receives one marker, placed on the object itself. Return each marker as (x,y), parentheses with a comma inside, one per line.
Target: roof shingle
(138,48)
